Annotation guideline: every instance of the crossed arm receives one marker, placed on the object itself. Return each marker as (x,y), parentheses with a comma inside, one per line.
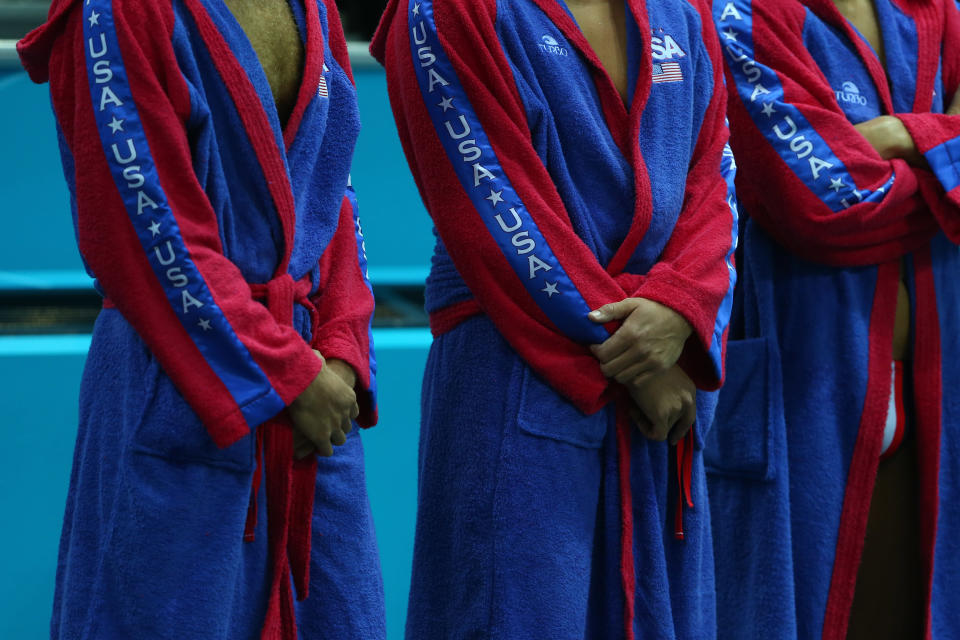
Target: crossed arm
(889,136)
(640,355)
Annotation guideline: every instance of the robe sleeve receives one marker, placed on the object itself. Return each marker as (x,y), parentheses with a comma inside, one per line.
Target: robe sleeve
(936,135)
(148,232)
(815,183)
(695,274)
(344,302)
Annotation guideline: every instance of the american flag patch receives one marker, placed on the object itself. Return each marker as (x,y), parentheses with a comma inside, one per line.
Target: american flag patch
(667,72)
(322,89)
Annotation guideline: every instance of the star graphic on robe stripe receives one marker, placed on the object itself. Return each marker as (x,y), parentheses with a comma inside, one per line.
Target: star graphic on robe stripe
(115,125)
(550,289)
(416,9)
(768,109)
(730,34)
(325,68)
(446,103)
(495,197)
(836,184)
(204,324)
(154,228)
(94,18)
(859,194)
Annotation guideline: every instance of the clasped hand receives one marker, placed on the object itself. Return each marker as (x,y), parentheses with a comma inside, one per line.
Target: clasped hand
(322,415)
(641,355)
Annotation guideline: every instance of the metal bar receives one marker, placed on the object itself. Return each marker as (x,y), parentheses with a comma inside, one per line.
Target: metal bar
(8,55)
(360,57)
(77,344)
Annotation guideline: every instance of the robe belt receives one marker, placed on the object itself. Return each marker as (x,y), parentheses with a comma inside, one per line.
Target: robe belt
(447,318)
(684,464)
(290,483)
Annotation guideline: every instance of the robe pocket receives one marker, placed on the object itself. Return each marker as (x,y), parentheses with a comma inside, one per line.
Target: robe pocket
(170,429)
(749,413)
(545,413)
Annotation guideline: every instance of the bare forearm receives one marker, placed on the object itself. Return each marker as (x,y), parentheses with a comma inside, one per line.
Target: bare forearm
(890,138)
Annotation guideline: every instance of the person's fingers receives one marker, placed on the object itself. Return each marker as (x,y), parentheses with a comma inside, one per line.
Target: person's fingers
(612,311)
(642,378)
(679,430)
(690,412)
(620,341)
(618,363)
(354,411)
(322,443)
(346,425)
(684,423)
(652,428)
(304,451)
(626,368)
(302,447)
(338,437)
(640,420)
(660,432)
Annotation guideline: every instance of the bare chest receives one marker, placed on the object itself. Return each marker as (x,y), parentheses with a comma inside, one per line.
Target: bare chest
(272,30)
(603,24)
(862,14)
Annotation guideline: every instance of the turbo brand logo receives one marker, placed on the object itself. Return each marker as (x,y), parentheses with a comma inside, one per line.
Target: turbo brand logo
(850,94)
(549,44)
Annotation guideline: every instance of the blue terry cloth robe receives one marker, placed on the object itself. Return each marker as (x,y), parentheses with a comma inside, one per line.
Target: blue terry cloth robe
(541,513)
(793,455)
(214,236)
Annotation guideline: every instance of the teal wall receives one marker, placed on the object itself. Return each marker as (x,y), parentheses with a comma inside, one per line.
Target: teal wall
(396,226)
(33,195)
(39,418)
(39,375)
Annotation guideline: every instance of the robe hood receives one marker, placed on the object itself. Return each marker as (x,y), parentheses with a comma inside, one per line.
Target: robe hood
(34,49)
(378,45)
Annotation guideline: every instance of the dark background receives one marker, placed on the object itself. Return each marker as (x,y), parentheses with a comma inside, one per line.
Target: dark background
(360,17)
(17,17)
